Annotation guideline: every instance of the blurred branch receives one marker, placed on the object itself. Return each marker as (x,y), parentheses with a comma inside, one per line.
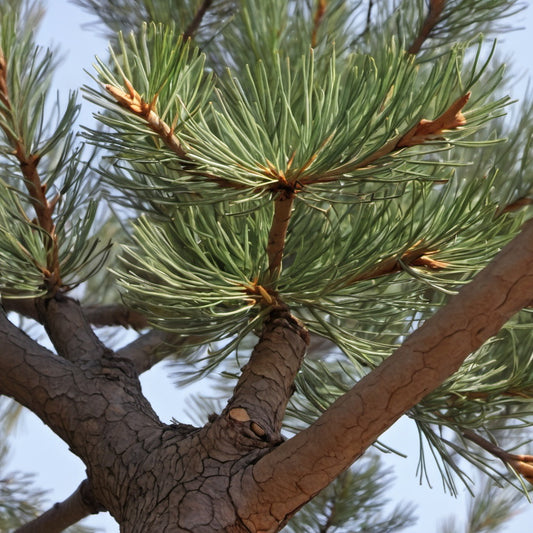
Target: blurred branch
(193,26)
(435,10)
(97,315)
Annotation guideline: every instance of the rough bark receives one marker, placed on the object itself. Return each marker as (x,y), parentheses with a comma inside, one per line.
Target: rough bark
(293,473)
(236,474)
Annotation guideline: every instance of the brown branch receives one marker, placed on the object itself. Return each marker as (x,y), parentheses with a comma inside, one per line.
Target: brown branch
(154,346)
(97,315)
(69,330)
(425,130)
(36,190)
(267,380)
(295,471)
(114,315)
(523,464)
(33,375)
(193,26)
(432,19)
(414,256)
(278,231)
(317,21)
(133,101)
(80,504)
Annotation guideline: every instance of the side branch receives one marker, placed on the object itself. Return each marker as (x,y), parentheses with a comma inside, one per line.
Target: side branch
(193,26)
(69,330)
(97,315)
(267,381)
(294,472)
(435,10)
(78,505)
(278,231)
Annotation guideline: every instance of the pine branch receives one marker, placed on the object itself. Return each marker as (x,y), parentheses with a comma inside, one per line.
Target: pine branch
(316,455)
(44,209)
(523,464)
(80,504)
(278,231)
(275,361)
(133,101)
(416,256)
(432,19)
(154,346)
(193,26)
(97,315)
(317,20)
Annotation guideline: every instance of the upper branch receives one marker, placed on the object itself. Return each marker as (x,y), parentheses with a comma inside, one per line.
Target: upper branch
(435,10)
(278,231)
(193,26)
(267,381)
(28,162)
(296,470)
(317,21)
(69,330)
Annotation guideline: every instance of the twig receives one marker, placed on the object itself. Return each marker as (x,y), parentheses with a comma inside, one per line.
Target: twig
(133,101)
(425,130)
(523,464)
(193,26)
(317,20)
(414,256)
(435,10)
(36,190)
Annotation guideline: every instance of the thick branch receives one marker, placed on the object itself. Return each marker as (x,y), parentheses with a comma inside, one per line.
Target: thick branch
(97,315)
(69,330)
(32,375)
(78,505)
(298,469)
(267,381)
(435,10)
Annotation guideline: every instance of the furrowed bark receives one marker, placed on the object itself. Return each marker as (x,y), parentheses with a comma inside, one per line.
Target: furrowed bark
(28,372)
(298,469)
(267,380)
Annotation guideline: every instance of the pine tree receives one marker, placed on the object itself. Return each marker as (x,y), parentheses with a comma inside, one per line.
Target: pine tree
(321,205)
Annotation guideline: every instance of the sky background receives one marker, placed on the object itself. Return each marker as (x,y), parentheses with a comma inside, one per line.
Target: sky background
(36,449)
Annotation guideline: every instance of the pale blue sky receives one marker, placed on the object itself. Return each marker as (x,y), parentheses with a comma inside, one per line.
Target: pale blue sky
(37,449)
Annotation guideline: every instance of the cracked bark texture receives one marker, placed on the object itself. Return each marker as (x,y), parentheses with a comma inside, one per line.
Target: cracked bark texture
(236,474)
